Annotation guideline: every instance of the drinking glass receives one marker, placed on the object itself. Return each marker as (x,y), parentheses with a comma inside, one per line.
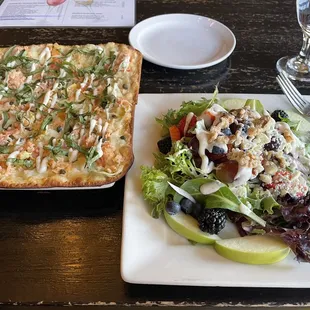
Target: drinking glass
(298,67)
(88,4)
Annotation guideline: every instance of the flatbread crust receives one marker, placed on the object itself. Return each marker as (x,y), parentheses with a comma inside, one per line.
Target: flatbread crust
(67,114)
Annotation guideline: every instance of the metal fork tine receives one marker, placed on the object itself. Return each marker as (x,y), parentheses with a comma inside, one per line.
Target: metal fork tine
(288,94)
(293,88)
(296,99)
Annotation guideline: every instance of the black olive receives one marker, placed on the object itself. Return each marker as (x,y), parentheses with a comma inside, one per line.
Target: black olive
(122,137)
(62,171)
(59,129)
(125,86)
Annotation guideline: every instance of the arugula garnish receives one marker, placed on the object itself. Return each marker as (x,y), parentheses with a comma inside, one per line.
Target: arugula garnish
(4,149)
(56,149)
(5,116)
(71,143)
(47,121)
(28,163)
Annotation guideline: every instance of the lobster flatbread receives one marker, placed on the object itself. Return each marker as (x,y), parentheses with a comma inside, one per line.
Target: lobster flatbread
(66,114)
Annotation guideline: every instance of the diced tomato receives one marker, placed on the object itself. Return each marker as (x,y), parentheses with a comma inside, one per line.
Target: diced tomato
(191,124)
(174,133)
(270,186)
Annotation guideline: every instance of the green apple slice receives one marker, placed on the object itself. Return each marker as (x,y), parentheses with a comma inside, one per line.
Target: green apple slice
(186,226)
(304,124)
(233,103)
(255,250)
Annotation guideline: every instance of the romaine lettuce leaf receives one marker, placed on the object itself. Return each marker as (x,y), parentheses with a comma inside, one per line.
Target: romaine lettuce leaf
(224,198)
(193,188)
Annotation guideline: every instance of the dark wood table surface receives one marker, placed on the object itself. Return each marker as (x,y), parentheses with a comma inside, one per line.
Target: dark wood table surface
(63,248)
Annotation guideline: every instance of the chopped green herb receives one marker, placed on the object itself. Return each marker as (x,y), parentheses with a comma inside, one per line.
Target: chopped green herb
(4,149)
(28,163)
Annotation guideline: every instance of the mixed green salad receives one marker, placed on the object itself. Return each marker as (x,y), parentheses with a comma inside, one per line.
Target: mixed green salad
(221,161)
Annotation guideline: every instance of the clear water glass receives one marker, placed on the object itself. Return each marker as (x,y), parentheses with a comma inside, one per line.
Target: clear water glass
(298,67)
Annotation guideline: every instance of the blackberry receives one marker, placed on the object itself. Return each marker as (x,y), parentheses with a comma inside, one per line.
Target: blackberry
(241,127)
(186,206)
(164,145)
(278,114)
(273,145)
(212,221)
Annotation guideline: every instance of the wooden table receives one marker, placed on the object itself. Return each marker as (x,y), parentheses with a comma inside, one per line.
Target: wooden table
(64,248)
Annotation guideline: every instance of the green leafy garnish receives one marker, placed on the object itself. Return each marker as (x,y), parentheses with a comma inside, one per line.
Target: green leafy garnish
(268,204)
(56,149)
(154,189)
(294,125)
(28,163)
(173,117)
(193,188)
(4,149)
(71,143)
(46,121)
(5,116)
(224,198)
(178,164)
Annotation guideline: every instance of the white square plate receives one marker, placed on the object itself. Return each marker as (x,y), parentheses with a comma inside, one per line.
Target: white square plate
(154,254)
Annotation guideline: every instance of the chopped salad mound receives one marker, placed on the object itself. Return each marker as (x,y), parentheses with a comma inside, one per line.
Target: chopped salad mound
(220,161)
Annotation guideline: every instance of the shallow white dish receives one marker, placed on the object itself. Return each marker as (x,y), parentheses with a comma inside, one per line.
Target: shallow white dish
(154,254)
(58,188)
(182,41)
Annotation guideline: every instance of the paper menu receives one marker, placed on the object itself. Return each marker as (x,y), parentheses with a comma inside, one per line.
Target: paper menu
(67,13)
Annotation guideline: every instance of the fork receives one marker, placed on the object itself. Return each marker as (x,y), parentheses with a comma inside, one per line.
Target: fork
(293,95)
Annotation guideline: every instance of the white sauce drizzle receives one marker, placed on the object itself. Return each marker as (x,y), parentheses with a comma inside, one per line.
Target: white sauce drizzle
(29,78)
(43,165)
(53,102)
(93,123)
(82,132)
(83,84)
(104,129)
(188,120)
(46,99)
(77,94)
(92,77)
(55,86)
(13,154)
(243,175)
(73,155)
(210,187)
(99,148)
(45,55)
(62,73)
